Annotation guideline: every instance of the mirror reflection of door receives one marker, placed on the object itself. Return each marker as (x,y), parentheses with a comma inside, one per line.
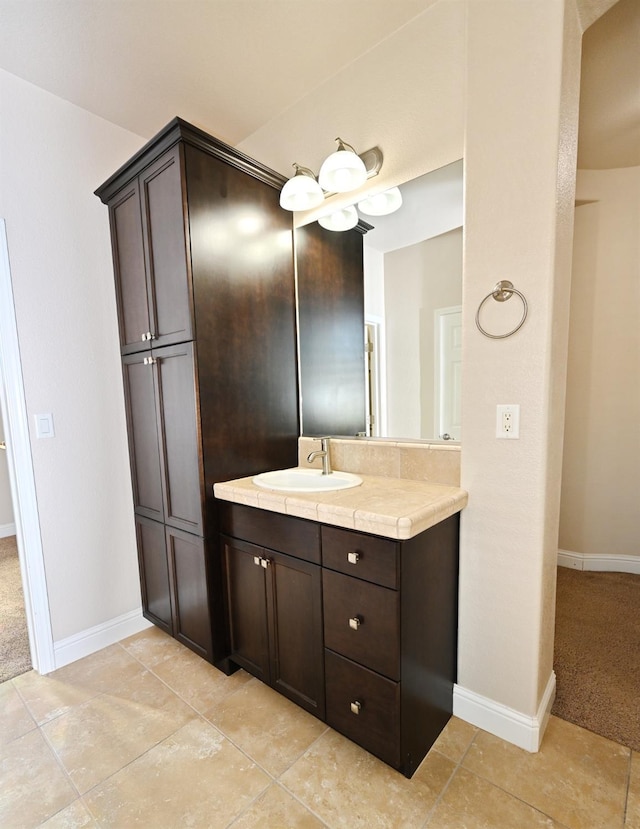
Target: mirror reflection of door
(448,374)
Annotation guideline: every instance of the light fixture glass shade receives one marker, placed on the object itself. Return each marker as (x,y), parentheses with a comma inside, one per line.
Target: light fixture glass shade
(381,204)
(343,219)
(302,192)
(342,171)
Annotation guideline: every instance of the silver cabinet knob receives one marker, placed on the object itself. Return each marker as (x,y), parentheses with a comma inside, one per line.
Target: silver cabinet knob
(265,562)
(356,706)
(149,361)
(355,622)
(353,558)
(148,336)
(257,560)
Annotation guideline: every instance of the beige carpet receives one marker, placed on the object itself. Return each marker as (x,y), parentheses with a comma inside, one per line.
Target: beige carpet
(14,641)
(597,653)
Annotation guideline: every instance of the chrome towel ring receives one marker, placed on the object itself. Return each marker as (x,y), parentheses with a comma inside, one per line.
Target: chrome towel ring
(503,291)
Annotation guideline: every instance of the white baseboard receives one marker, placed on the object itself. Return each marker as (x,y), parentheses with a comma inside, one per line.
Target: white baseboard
(7,529)
(98,637)
(604,563)
(506,723)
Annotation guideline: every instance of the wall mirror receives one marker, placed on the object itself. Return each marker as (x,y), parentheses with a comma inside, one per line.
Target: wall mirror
(394,370)
(413,299)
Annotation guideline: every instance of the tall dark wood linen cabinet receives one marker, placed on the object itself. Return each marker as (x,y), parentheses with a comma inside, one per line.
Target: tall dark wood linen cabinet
(204,275)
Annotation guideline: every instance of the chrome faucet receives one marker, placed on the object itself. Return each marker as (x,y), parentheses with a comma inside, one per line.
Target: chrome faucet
(322,453)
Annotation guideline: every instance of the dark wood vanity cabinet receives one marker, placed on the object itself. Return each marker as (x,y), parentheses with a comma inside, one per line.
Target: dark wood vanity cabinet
(203,261)
(387,643)
(274,598)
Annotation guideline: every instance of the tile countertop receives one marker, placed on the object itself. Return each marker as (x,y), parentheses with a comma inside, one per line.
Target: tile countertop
(392,507)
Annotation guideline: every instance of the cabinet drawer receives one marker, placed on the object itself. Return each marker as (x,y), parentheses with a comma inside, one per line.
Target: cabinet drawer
(364,706)
(361,621)
(284,533)
(365,556)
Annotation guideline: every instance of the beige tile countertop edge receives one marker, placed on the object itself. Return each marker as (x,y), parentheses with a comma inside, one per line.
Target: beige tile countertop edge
(392,507)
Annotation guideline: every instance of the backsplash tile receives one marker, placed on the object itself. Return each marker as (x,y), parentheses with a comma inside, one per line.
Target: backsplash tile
(434,462)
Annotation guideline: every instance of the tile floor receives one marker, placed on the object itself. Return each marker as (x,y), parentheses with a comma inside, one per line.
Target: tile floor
(146,734)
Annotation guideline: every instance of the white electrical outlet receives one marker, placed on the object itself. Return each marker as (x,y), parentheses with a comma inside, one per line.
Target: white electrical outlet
(508,421)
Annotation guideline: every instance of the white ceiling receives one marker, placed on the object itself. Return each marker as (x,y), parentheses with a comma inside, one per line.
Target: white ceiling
(230,66)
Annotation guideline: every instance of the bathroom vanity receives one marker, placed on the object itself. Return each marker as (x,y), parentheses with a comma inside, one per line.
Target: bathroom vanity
(357,627)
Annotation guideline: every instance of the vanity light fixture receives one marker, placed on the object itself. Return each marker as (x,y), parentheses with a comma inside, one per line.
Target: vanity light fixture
(381,204)
(343,170)
(302,191)
(343,219)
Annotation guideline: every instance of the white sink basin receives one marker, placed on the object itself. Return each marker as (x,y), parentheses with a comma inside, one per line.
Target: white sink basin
(305,480)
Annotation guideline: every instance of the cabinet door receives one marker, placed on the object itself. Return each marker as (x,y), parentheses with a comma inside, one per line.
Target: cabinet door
(165,241)
(247,607)
(331,330)
(181,459)
(130,272)
(144,441)
(192,621)
(295,621)
(154,573)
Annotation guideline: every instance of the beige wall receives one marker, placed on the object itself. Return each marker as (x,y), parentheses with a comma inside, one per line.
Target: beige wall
(53,155)
(601,471)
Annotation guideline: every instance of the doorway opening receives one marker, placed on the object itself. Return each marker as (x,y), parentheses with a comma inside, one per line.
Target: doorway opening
(21,477)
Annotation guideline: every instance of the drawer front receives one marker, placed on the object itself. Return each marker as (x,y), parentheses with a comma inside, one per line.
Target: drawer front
(284,533)
(361,621)
(364,706)
(365,556)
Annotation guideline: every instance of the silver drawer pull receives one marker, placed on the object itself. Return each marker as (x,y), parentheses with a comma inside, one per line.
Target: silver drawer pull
(355,622)
(257,560)
(265,562)
(353,558)
(355,707)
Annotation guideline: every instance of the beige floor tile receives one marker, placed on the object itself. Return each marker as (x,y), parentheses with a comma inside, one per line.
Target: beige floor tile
(633,799)
(350,789)
(98,738)
(195,778)
(15,719)
(47,697)
(577,777)
(270,728)
(474,803)
(276,809)
(101,672)
(32,785)
(152,646)
(196,681)
(455,739)
(75,816)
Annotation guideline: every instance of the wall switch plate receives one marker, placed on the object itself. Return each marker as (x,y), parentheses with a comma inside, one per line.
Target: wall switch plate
(44,425)
(508,421)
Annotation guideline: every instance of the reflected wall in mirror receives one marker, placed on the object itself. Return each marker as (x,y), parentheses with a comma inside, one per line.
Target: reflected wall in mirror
(413,299)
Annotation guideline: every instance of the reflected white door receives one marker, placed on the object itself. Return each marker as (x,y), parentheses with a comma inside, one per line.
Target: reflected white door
(448,392)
